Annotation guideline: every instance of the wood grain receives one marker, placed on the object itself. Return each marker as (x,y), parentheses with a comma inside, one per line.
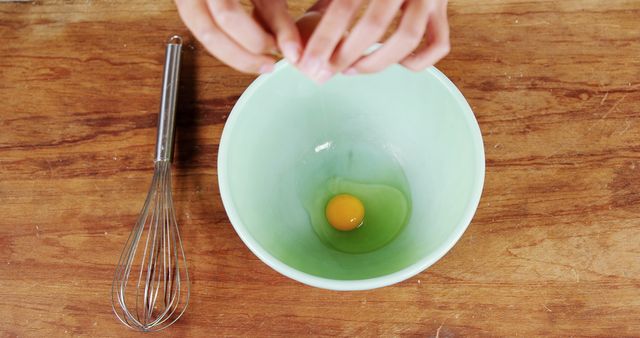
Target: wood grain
(553,249)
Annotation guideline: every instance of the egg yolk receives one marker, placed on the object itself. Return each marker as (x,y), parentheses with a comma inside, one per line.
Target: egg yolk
(344,212)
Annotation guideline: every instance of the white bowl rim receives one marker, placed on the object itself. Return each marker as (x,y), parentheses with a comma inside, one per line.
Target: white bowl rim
(359,284)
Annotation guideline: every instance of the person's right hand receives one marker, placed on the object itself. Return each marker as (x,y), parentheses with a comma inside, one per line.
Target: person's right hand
(330,47)
(238,39)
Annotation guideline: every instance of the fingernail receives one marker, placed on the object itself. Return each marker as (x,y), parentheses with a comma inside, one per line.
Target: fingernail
(266,68)
(311,66)
(291,51)
(323,76)
(350,71)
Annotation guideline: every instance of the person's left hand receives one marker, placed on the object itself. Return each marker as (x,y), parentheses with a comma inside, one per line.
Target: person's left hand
(331,49)
(244,42)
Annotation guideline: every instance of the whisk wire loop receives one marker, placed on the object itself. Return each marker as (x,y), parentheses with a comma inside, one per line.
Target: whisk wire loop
(151,279)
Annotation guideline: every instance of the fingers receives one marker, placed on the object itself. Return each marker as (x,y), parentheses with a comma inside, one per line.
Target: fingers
(275,16)
(406,39)
(366,32)
(197,17)
(325,38)
(238,24)
(437,45)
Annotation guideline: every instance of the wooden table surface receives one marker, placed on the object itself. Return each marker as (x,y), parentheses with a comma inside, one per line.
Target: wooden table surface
(554,248)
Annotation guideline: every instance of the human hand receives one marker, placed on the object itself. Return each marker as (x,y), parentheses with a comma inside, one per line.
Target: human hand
(238,39)
(331,49)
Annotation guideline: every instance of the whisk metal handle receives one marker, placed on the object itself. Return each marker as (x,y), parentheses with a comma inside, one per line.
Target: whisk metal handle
(166,118)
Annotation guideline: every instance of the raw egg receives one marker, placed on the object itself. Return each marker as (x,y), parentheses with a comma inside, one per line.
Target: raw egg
(337,208)
(344,212)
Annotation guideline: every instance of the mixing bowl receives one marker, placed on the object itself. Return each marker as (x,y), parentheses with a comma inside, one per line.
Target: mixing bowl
(278,142)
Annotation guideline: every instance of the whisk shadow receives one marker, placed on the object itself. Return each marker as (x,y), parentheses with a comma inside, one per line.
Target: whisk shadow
(186,111)
(185,178)
(197,201)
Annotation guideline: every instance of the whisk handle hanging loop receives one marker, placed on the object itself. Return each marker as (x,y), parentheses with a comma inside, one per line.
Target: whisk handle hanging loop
(166,118)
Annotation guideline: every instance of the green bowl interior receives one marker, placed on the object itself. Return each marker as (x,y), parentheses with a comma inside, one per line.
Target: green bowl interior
(419,120)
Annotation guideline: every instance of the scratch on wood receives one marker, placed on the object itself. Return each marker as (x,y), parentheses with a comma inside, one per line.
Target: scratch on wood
(615,105)
(206,86)
(539,23)
(546,308)
(438,330)
(50,168)
(604,98)
(604,116)
(609,25)
(626,127)
(441,325)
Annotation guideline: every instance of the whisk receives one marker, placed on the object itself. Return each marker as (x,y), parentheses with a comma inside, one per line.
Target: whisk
(150,289)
